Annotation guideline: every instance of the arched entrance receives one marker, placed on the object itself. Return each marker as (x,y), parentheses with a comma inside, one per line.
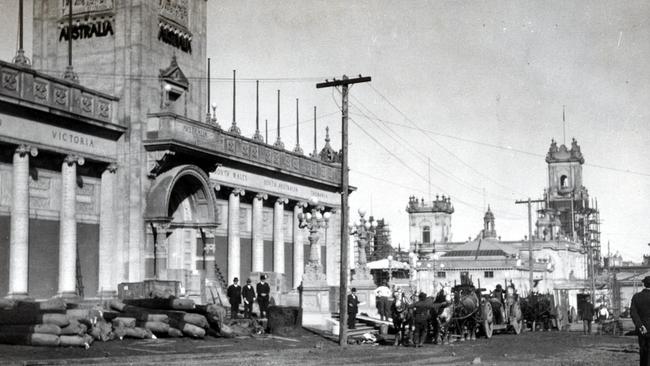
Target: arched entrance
(181,206)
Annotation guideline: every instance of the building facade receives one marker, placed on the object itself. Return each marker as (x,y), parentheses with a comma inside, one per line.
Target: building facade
(159,189)
(559,253)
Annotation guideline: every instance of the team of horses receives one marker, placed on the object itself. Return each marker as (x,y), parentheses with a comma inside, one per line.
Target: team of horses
(452,314)
(457,313)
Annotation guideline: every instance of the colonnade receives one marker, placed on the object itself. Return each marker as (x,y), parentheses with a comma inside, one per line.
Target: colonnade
(19,235)
(257,234)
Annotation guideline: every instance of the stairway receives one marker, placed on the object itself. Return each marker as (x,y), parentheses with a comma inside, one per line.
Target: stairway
(360,327)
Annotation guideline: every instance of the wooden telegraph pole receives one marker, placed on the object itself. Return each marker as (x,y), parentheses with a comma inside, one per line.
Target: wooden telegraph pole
(530,240)
(344,83)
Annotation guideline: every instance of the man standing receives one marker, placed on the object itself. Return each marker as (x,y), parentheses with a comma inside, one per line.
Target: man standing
(353,308)
(249,296)
(381,295)
(421,311)
(587,316)
(263,290)
(234,297)
(640,311)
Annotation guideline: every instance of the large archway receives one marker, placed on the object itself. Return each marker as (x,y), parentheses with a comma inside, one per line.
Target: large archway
(181,207)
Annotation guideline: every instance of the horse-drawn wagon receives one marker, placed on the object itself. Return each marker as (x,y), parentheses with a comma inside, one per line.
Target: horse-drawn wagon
(473,312)
(541,310)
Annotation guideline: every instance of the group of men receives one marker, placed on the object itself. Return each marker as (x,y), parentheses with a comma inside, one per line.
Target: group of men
(236,293)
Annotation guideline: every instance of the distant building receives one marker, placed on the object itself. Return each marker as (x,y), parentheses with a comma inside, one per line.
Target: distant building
(429,223)
(566,226)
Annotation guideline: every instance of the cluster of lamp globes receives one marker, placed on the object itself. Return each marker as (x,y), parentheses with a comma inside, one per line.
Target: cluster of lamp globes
(357,223)
(428,265)
(317,214)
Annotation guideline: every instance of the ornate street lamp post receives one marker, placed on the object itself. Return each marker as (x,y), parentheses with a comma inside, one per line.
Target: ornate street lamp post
(364,230)
(314,220)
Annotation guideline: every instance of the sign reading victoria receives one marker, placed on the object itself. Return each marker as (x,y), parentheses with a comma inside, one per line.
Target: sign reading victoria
(173,25)
(51,136)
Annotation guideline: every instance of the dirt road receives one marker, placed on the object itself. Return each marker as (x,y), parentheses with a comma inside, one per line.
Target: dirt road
(540,348)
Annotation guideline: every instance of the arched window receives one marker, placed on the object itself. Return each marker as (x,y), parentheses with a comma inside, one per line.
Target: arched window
(426,234)
(564,181)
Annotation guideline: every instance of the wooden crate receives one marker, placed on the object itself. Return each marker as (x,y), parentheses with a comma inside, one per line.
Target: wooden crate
(147,289)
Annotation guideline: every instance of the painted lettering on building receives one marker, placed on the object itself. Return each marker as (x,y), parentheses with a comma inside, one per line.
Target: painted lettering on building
(195,131)
(100,28)
(73,138)
(173,37)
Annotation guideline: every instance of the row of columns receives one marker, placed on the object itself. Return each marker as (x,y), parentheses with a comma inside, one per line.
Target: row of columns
(19,235)
(234,242)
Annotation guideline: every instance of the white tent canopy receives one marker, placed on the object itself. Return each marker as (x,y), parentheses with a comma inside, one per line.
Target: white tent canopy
(383,264)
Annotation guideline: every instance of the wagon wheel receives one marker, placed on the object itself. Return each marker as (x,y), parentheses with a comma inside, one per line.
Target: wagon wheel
(516,319)
(487,318)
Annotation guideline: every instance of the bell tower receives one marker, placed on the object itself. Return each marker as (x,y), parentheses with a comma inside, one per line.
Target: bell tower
(565,194)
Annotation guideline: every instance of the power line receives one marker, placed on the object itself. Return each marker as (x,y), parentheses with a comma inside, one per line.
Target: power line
(409,167)
(419,155)
(439,144)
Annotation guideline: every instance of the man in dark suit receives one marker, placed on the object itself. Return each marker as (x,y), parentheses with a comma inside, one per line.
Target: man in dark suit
(234,297)
(263,291)
(587,316)
(353,308)
(249,296)
(640,311)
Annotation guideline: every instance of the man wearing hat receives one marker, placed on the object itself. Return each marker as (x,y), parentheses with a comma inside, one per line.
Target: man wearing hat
(248,293)
(587,315)
(353,308)
(640,311)
(263,290)
(234,297)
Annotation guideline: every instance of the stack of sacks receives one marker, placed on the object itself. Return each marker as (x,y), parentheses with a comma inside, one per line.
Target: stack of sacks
(163,317)
(41,324)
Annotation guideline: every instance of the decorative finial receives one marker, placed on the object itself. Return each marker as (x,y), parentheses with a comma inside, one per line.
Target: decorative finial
(297,149)
(233,128)
(278,143)
(257,136)
(20,58)
(315,154)
(214,116)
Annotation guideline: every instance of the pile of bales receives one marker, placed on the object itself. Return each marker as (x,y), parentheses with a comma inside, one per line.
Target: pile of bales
(170,317)
(47,323)
(57,323)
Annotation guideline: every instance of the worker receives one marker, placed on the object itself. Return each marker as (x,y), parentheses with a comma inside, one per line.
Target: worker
(640,311)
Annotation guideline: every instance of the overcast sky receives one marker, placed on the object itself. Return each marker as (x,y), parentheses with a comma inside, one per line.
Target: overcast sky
(475,87)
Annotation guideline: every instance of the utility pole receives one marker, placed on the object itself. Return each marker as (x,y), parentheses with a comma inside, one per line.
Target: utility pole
(344,83)
(530,240)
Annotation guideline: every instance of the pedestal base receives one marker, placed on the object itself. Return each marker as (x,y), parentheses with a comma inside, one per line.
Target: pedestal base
(366,294)
(18,295)
(315,304)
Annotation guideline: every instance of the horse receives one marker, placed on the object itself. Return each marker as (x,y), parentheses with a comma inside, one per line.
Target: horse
(402,316)
(460,317)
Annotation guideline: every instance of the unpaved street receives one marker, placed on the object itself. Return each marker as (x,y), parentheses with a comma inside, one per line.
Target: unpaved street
(541,348)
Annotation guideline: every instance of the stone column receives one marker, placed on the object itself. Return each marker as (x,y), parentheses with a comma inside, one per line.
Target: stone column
(234,249)
(68,227)
(107,287)
(258,232)
(19,241)
(298,245)
(160,250)
(278,235)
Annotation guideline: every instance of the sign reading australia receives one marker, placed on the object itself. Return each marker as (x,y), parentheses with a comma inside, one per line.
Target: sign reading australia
(100,28)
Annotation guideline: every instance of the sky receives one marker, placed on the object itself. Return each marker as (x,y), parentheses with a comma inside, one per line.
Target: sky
(464,100)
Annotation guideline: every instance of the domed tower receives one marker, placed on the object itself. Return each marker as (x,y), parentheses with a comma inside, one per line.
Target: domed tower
(488,225)
(429,223)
